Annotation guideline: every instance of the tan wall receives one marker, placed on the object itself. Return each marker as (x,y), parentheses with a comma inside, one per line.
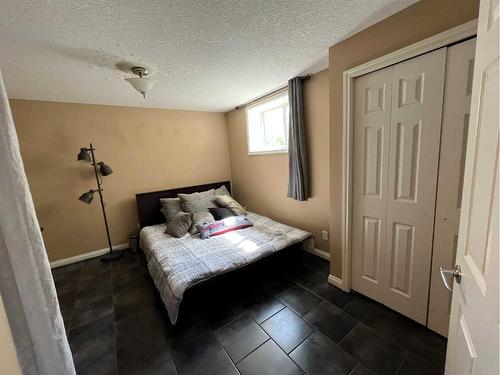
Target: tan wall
(260,181)
(9,363)
(148,149)
(417,22)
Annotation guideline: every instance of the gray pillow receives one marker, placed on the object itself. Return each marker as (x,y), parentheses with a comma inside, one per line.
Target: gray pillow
(222,191)
(228,202)
(199,218)
(197,202)
(170,207)
(179,225)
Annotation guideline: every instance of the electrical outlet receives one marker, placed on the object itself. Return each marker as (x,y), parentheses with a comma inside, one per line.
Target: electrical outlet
(324,235)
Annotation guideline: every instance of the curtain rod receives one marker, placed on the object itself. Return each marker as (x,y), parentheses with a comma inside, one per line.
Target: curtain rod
(270,93)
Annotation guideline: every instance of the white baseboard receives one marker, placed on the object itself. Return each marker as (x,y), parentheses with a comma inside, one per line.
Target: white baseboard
(318,252)
(84,256)
(335,281)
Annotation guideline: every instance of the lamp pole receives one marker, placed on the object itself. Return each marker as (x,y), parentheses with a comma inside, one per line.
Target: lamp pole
(111,256)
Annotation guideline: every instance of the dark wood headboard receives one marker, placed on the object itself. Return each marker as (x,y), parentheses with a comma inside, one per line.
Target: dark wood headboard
(148,204)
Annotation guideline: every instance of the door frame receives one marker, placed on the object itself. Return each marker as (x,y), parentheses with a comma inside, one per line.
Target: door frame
(456,34)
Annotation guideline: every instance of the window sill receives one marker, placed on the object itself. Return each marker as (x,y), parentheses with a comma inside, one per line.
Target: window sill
(268,152)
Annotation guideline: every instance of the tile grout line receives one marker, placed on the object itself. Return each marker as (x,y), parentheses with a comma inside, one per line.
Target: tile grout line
(348,304)
(284,307)
(74,302)
(288,354)
(400,366)
(228,323)
(347,334)
(285,353)
(268,338)
(325,300)
(355,366)
(259,325)
(296,346)
(406,351)
(228,356)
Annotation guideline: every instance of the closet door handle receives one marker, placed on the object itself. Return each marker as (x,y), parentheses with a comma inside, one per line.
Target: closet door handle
(456,273)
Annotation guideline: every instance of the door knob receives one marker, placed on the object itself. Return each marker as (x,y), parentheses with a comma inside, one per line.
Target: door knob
(456,273)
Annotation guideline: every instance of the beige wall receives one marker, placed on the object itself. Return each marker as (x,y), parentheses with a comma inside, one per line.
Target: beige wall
(417,22)
(260,181)
(9,363)
(148,149)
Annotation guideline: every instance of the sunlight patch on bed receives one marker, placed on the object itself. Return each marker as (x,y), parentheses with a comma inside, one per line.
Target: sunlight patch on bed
(242,242)
(248,246)
(234,237)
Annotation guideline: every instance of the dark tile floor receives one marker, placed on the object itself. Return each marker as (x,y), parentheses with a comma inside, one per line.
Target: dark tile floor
(278,317)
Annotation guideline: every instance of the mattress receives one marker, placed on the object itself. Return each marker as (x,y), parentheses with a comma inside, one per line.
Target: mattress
(176,264)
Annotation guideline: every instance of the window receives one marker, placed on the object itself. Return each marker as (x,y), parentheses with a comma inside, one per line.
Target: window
(267,126)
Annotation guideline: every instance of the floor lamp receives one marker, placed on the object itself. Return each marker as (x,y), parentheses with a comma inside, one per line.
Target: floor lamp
(87,155)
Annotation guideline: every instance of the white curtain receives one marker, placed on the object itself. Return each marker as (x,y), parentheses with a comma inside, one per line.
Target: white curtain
(26,283)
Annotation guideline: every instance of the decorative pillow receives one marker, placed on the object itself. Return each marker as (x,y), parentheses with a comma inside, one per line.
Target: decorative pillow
(222,191)
(179,225)
(200,218)
(197,202)
(170,207)
(220,213)
(228,202)
(223,226)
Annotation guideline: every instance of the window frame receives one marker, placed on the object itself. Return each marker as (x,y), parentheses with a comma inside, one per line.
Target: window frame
(261,115)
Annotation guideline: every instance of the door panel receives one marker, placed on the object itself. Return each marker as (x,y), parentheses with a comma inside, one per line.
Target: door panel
(464,347)
(410,90)
(371,248)
(402,254)
(474,318)
(456,109)
(407,152)
(370,177)
(373,160)
(413,165)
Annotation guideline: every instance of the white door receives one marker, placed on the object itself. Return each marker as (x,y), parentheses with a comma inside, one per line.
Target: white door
(417,101)
(455,125)
(397,122)
(372,115)
(473,338)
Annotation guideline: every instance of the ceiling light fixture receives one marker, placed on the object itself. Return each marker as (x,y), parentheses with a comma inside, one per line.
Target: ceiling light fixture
(141,84)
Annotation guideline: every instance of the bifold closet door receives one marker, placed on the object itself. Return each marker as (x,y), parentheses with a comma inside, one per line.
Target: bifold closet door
(456,109)
(372,120)
(417,103)
(396,239)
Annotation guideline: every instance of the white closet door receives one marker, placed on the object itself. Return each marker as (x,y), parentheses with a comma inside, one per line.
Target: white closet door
(417,99)
(456,110)
(397,127)
(372,108)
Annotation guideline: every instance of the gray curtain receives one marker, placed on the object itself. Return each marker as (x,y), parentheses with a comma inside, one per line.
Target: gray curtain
(26,284)
(298,174)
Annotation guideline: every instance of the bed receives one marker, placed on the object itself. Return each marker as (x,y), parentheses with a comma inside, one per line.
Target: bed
(177,264)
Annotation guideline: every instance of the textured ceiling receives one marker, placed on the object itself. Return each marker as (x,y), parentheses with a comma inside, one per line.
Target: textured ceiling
(207,54)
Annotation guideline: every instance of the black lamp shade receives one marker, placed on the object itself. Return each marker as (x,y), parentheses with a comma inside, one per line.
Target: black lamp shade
(105,169)
(84,155)
(87,197)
